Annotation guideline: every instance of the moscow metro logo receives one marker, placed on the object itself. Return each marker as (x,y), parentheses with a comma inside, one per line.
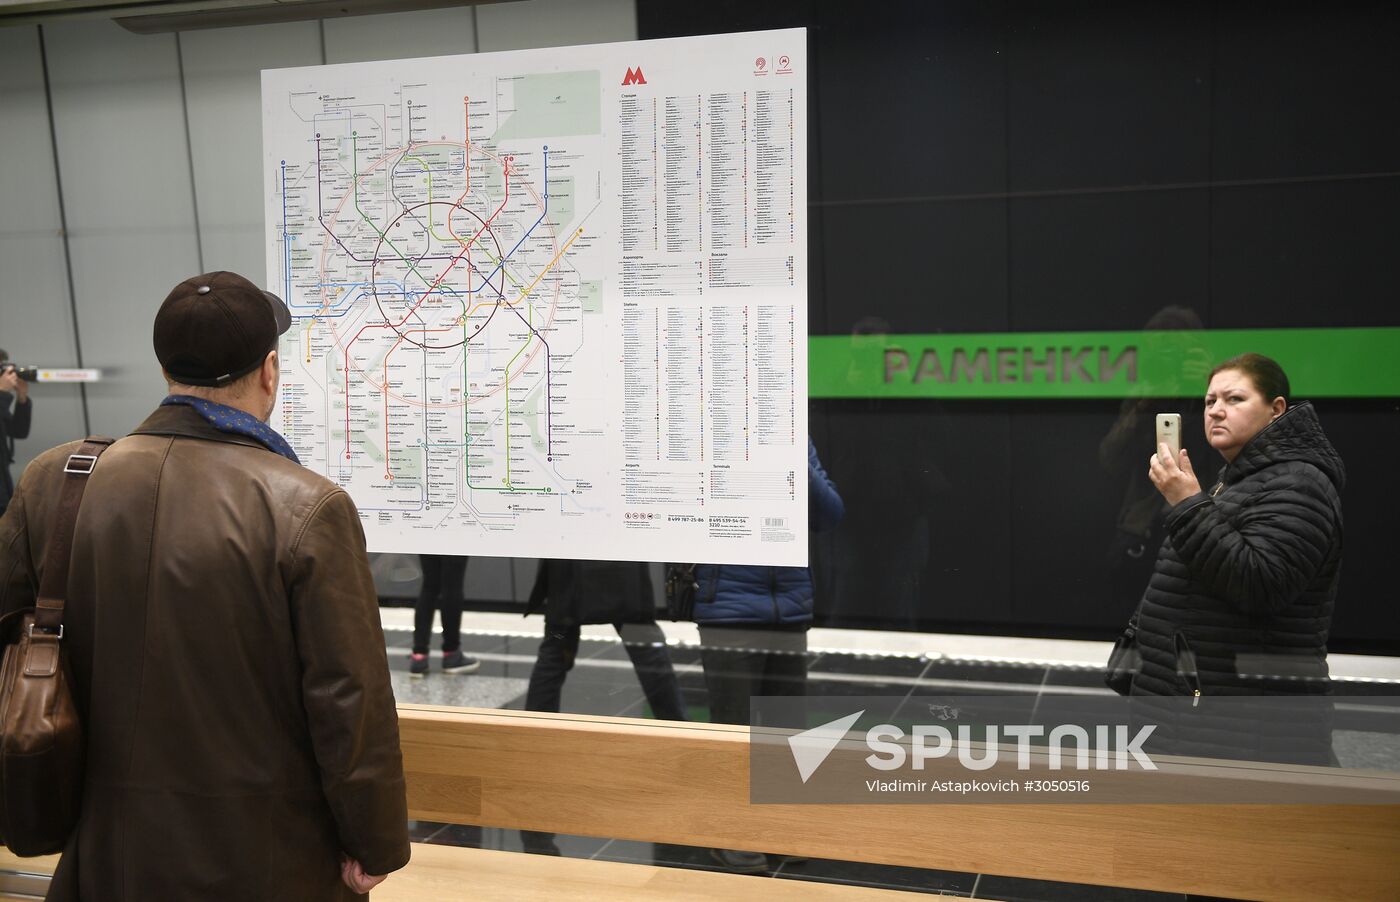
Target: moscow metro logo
(634,77)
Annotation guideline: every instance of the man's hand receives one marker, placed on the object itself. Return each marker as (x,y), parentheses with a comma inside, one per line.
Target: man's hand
(1175,479)
(354,876)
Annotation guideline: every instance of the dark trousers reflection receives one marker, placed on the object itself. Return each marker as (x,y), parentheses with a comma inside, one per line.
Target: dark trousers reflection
(442,590)
(646,647)
(743,661)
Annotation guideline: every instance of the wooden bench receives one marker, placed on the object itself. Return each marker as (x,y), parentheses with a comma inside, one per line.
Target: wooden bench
(688,784)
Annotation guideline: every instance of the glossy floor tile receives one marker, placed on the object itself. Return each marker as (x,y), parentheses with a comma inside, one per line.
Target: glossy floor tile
(1014,889)
(877,875)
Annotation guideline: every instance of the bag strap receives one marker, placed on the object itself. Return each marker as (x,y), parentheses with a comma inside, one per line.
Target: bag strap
(53,588)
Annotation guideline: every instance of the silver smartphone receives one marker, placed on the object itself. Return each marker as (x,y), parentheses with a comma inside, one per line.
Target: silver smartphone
(1169,433)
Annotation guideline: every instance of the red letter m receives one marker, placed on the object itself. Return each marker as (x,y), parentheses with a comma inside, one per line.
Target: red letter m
(634,77)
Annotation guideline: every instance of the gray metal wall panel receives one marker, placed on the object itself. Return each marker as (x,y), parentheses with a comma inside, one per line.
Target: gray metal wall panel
(555,23)
(222,69)
(431,32)
(125,165)
(36,322)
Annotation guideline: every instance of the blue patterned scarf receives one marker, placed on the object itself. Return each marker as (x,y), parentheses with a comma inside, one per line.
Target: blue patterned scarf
(236,422)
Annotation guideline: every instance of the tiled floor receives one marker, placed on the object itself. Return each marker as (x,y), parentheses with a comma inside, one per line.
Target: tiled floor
(602,682)
(924,880)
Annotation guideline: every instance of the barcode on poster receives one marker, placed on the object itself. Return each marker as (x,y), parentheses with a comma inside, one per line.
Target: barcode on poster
(769,522)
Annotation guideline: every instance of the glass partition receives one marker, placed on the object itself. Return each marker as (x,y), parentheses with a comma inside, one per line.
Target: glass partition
(1034,237)
(1036,232)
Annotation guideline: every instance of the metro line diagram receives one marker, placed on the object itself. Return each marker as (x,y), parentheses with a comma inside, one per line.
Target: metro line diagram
(441,270)
(550,303)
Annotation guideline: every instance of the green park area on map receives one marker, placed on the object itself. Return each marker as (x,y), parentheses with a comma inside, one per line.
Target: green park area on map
(558,104)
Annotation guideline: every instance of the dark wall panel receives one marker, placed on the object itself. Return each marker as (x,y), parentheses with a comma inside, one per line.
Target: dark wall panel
(915,267)
(1366,434)
(1063,508)
(912,100)
(1305,90)
(1107,260)
(1317,253)
(1107,94)
(926,536)
(1078,165)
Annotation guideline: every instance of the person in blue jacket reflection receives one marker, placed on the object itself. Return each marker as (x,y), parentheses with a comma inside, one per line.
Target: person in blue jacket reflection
(754,619)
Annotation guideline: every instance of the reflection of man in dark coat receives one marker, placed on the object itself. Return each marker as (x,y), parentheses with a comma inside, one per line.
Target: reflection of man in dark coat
(13,423)
(223,628)
(573,593)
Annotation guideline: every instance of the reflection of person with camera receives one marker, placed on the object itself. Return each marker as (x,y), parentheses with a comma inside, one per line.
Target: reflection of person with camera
(13,423)
(1173,335)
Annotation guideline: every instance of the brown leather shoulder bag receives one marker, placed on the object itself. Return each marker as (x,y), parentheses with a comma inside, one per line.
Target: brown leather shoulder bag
(41,736)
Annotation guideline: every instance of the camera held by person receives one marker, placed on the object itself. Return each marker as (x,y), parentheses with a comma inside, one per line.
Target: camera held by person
(23,373)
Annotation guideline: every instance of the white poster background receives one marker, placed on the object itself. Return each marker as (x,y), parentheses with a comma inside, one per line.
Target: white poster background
(551,303)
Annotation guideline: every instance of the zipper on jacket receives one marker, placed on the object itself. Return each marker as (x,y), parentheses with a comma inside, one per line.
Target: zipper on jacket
(1186,668)
(773,593)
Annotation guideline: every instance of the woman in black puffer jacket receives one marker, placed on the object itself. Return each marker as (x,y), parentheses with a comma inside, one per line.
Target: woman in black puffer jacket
(1240,602)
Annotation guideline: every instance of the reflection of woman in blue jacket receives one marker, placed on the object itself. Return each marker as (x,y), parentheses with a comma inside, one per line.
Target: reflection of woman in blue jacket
(754,619)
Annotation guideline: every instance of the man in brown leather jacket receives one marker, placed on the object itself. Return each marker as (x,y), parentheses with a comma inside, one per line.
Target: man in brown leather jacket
(242,740)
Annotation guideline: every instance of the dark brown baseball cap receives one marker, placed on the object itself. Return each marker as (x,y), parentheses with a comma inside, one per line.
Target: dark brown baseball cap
(216,328)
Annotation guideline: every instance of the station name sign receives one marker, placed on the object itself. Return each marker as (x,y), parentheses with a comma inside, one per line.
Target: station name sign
(1351,363)
(1006,366)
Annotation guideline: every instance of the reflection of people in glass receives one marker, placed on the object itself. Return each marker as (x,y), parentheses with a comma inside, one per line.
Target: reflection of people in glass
(13,425)
(573,593)
(753,630)
(876,570)
(1241,600)
(1138,527)
(754,619)
(616,592)
(442,590)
